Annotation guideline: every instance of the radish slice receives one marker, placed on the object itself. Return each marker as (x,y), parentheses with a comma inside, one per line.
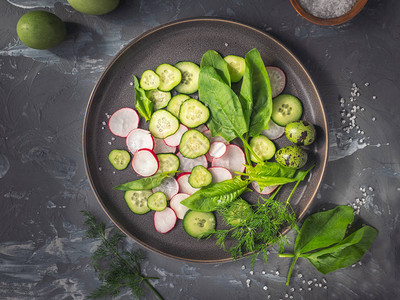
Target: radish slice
(175,139)
(161,147)
(213,139)
(123,121)
(145,162)
(184,185)
(164,220)
(187,164)
(169,186)
(217,149)
(179,209)
(139,139)
(233,159)
(274,131)
(219,174)
(202,128)
(277,78)
(266,191)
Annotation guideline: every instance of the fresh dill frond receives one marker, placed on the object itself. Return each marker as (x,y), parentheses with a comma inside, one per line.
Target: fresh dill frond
(116,268)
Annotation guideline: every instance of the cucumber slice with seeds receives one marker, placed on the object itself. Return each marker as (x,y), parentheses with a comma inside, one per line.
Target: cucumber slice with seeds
(200,177)
(193,144)
(193,113)
(286,109)
(157,201)
(174,105)
(263,147)
(199,224)
(167,162)
(236,67)
(170,77)
(149,80)
(159,98)
(163,124)
(190,77)
(137,201)
(119,159)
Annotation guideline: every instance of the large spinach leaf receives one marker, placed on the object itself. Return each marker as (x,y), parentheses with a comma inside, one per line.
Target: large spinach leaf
(216,195)
(227,118)
(143,104)
(255,94)
(145,183)
(212,59)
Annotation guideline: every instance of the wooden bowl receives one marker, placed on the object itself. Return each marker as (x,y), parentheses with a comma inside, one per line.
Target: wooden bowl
(358,6)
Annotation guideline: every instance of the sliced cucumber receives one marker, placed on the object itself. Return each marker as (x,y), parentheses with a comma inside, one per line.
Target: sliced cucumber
(200,177)
(174,105)
(286,109)
(263,147)
(170,77)
(199,224)
(120,159)
(163,124)
(193,113)
(236,67)
(159,98)
(137,201)
(167,162)
(194,144)
(149,80)
(157,201)
(238,212)
(190,77)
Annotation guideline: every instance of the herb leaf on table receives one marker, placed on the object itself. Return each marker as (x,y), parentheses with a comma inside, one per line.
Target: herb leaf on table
(143,104)
(322,240)
(116,268)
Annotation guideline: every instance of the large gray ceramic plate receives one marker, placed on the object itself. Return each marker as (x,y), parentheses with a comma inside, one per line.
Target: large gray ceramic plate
(170,43)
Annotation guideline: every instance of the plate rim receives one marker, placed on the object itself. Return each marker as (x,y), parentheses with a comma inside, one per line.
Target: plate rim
(126,48)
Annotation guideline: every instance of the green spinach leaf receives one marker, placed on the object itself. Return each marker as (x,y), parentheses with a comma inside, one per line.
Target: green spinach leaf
(226,111)
(216,195)
(143,104)
(212,59)
(255,94)
(145,183)
(345,253)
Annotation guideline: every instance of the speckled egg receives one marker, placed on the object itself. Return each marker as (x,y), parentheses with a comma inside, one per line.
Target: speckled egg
(300,133)
(291,156)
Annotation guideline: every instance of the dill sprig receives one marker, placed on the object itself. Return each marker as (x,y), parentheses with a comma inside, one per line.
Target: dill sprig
(257,231)
(116,268)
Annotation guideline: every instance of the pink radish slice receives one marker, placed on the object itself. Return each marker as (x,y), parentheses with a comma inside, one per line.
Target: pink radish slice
(266,191)
(217,149)
(164,220)
(123,121)
(161,147)
(233,159)
(220,174)
(213,139)
(202,128)
(169,186)
(139,139)
(187,164)
(175,139)
(145,162)
(274,131)
(179,209)
(277,78)
(184,185)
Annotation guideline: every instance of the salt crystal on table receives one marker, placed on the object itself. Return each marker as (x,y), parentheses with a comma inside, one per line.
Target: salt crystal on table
(327,9)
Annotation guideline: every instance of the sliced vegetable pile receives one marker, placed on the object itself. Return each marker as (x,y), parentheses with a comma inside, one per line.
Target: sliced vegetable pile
(206,144)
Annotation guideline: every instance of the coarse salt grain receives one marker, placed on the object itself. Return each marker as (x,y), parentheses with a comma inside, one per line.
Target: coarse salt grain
(327,9)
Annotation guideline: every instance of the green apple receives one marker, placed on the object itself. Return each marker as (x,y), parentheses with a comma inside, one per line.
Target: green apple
(94,7)
(41,29)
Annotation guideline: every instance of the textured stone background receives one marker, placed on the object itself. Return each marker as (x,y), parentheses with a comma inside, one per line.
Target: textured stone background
(43,186)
